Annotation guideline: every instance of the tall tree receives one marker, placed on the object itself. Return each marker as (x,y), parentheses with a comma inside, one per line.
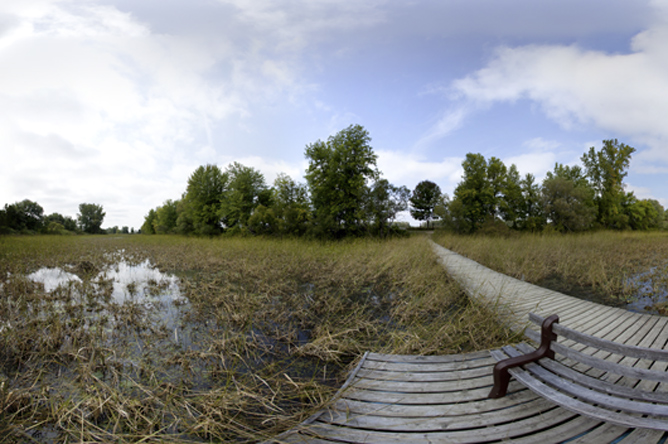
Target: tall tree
(166,217)
(24,215)
(384,202)
(245,191)
(200,206)
(568,199)
(290,206)
(90,218)
(337,176)
(606,170)
(424,199)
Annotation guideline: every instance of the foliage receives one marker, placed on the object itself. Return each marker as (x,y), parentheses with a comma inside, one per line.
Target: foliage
(166,216)
(337,176)
(202,202)
(246,190)
(424,199)
(291,206)
(606,170)
(90,218)
(384,202)
(24,216)
(568,199)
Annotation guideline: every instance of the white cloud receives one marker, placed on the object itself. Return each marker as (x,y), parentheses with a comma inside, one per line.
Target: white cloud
(404,169)
(623,93)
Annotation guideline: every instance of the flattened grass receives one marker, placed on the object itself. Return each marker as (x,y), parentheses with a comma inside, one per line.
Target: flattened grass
(265,334)
(601,266)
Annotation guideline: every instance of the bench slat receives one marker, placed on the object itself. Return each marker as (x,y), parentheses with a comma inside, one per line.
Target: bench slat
(598,384)
(577,406)
(587,394)
(608,366)
(604,344)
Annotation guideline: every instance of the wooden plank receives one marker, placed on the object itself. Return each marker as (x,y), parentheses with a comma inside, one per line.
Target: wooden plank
(442,387)
(472,357)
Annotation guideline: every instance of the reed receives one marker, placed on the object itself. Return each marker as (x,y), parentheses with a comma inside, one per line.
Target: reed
(262,333)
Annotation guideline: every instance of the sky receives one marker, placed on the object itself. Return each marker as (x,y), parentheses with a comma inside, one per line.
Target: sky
(117,102)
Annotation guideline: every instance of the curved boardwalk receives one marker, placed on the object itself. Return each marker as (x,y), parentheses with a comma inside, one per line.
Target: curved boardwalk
(443,399)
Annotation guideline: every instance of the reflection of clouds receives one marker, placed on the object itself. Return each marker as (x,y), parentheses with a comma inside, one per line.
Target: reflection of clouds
(52,278)
(122,275)
(140,276)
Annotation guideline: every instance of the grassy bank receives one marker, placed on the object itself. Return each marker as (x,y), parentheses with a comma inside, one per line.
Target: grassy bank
(601,266)
(261,333)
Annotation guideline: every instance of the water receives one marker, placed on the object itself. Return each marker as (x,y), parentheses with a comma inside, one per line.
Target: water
(651,292)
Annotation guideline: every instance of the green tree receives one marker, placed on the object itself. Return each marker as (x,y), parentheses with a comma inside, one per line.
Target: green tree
(477,198)
(200,207)
(424,199)
(568,199)
(246,190)
(533,217)
(149,220)
(166,217)
(384,202)
(68,223)
(90,218)
(337,176)
(290,206)
(606,170)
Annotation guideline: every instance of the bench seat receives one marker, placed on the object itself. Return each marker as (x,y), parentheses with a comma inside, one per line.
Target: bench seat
(623,388)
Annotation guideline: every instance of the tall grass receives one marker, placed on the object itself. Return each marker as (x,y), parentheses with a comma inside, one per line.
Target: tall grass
(265,334)
(601,266)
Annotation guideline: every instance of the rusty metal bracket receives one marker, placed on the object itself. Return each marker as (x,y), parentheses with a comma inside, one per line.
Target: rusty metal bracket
(501,375)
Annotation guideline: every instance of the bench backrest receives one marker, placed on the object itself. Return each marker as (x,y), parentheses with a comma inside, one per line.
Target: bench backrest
(605,345)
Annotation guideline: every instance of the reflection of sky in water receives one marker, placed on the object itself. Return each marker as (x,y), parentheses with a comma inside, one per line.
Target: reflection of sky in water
(52,278)
(140,276)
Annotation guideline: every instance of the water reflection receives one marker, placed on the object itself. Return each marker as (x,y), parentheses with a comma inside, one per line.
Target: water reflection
(53,278)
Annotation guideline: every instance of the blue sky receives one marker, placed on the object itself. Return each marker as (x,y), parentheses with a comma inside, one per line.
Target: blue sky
(117,102)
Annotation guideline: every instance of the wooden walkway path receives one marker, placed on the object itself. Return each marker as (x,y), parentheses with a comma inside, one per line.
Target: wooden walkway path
(443,399)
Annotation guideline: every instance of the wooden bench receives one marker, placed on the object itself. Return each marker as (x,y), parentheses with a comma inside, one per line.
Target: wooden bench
(597,378)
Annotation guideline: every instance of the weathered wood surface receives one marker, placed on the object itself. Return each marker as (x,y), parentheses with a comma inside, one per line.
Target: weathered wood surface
(443,399)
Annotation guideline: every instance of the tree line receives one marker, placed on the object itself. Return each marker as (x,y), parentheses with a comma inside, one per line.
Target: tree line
(344,195)
(570,198)
(27,217)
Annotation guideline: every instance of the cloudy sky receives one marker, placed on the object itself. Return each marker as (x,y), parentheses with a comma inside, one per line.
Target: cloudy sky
(117,102)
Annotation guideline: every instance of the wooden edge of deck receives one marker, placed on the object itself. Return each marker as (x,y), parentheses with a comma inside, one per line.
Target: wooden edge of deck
(322,411)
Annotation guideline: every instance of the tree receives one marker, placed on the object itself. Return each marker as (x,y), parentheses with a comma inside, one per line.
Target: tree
(245,191)
(568,199)
(23,216)
(477,197)
(165,218)
(66,222)
(337,176)
(290,206)
(149,220)
(384,202)
(533,215)
(90,218)
(200,207)
(424,199)
(606,170)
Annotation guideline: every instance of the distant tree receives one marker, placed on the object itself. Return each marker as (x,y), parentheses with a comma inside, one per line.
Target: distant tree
(337,176)
(23,216)
(200,207)
(165,218)
(568,199)
(511,201)
(290,206)
(606,170)
(149,220)
(66,222)
(384,202)
(477,197)
(643,214)
(125,230)
(90,218)
(533,217)
(424,199)
(245,191)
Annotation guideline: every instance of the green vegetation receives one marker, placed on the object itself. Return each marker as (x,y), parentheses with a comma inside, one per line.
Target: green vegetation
(602,266)
(262,333)
(570,199)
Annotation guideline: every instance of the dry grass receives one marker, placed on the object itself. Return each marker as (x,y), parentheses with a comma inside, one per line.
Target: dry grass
(264,334)
(601,266)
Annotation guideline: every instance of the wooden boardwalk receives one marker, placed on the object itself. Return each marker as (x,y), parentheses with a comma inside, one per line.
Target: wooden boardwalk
(443,399)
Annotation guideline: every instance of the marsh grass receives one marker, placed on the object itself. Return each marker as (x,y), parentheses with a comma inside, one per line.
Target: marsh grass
(264,333)
(606,267)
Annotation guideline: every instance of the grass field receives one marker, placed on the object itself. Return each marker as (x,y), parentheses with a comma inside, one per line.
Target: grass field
(172,339)
(613,268)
